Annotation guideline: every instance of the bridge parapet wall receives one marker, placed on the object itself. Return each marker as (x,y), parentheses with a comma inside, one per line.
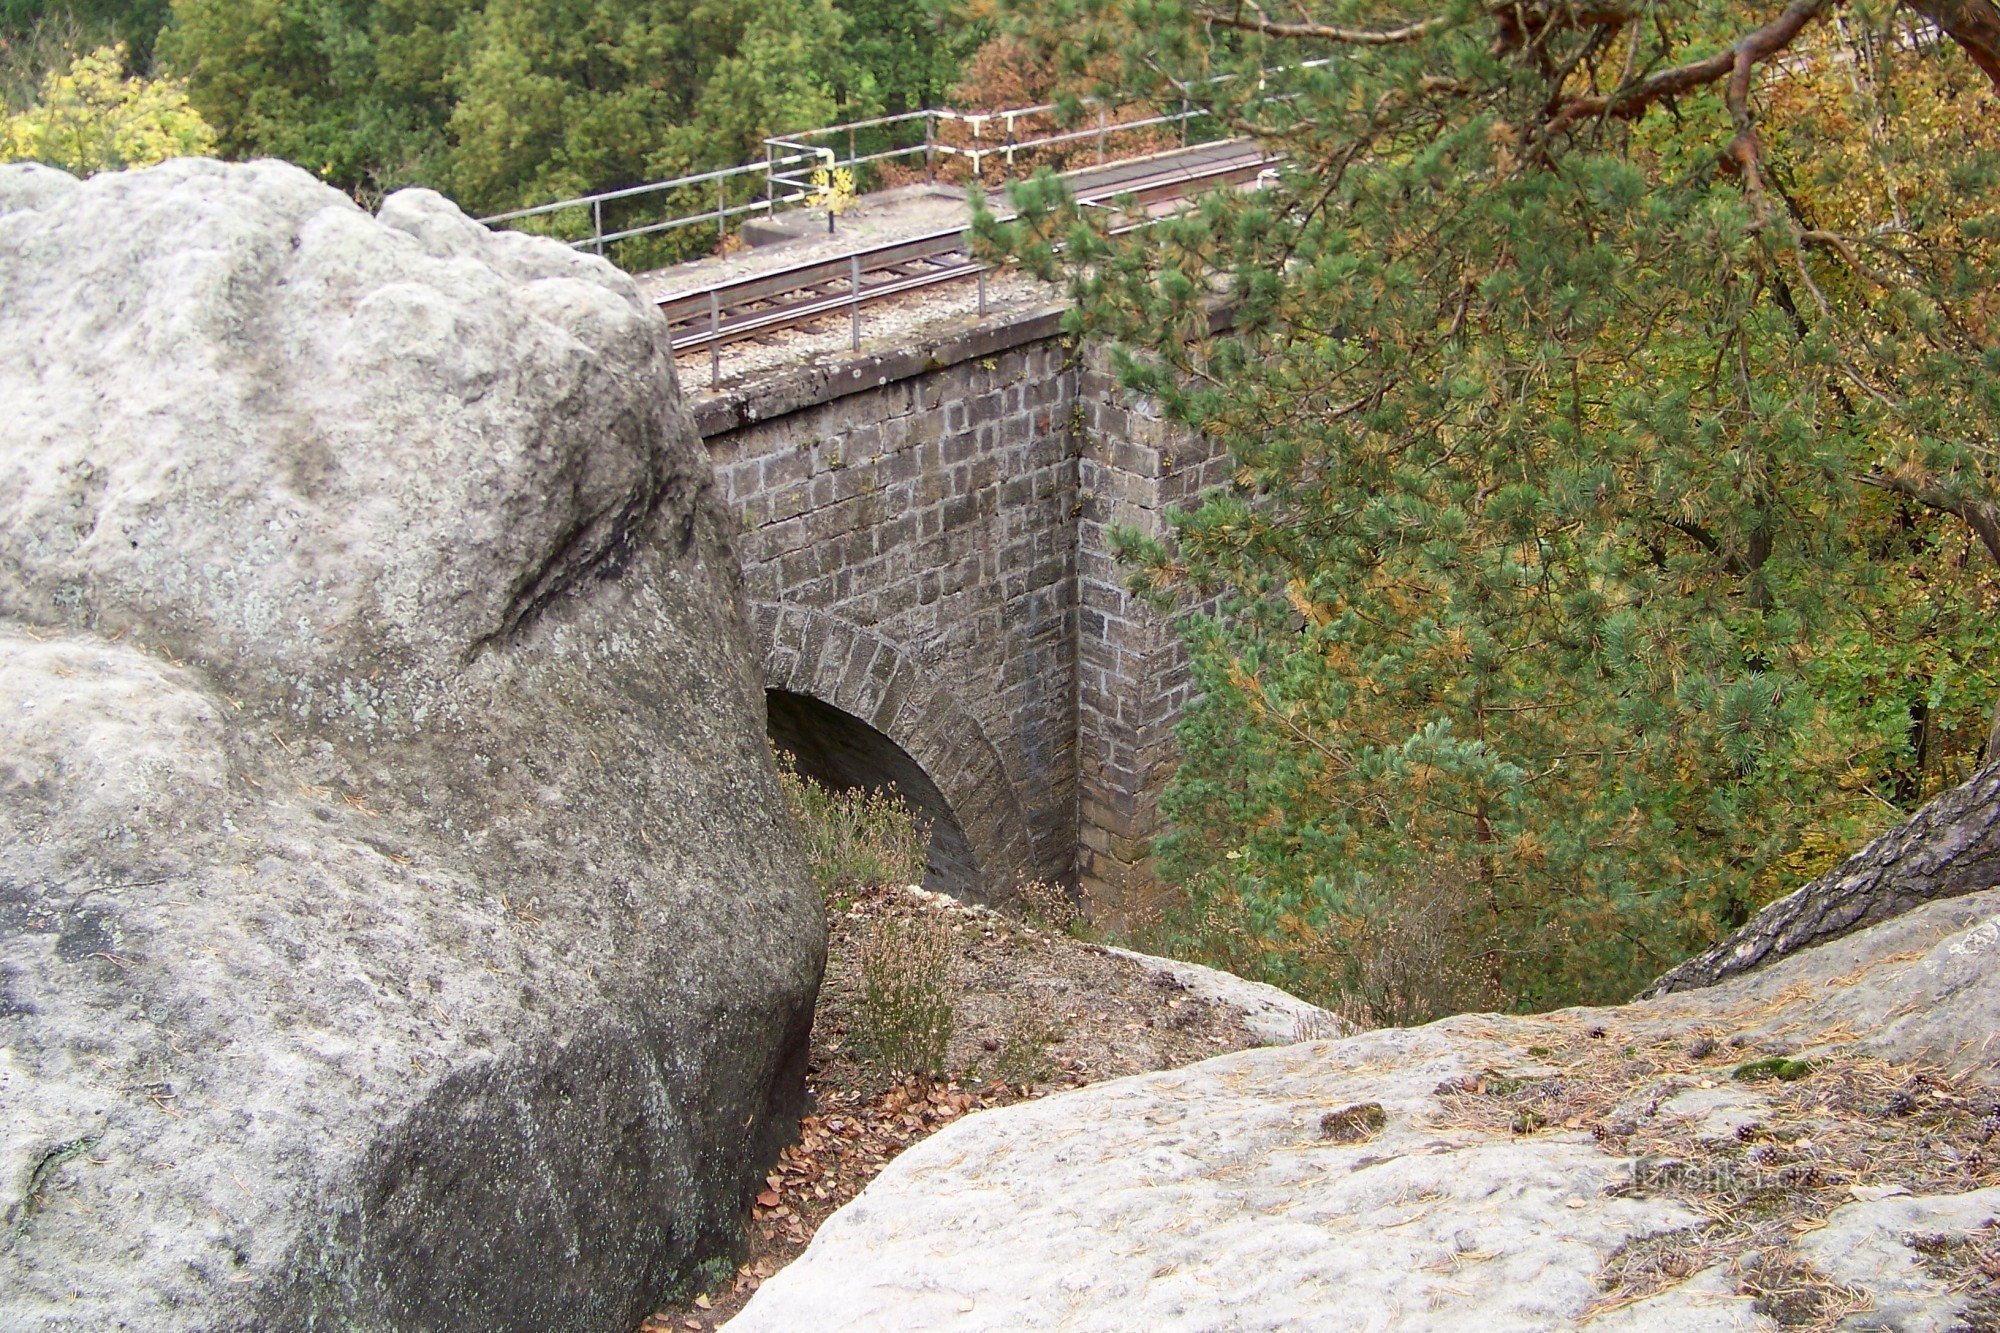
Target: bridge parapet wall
(949,507)
(928,503)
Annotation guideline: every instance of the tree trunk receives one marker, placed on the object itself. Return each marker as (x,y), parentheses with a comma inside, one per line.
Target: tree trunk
(1973,24)
(1949,848)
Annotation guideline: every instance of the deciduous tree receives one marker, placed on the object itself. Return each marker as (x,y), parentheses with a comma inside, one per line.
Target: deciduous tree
(91,117)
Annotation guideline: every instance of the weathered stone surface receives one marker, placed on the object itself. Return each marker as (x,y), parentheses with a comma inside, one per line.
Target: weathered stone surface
(928,549)
(398,928)
(1210,1198)
(1867,1244)
(909,554)
(1277,1017)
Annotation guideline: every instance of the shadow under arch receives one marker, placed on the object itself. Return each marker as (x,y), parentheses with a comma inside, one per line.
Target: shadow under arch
(840,751)
(875,683)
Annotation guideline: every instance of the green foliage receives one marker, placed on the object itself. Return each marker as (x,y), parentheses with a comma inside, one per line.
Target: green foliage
(561,97)
(358,92)
(904,1018)
(506,103)
(91,118)
(1605,522)
(85,24)
(711,1276)
(1775,1067)
(903,55)
(856,839)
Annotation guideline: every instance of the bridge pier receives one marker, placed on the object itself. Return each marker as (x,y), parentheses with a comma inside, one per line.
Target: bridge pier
(1132,671)
(925,548)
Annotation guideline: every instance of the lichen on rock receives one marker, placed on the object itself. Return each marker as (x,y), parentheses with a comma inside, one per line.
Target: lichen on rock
(1595,1168)
(396,900)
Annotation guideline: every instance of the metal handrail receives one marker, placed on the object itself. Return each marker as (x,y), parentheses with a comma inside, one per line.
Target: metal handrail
(787,168)
(630,191)
(790,160)
(760,303)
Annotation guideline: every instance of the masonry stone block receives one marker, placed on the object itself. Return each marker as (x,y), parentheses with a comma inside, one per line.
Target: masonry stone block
(932,556)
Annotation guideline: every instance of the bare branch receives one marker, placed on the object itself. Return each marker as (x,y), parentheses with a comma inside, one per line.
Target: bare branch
(1734,62)
(1324,32)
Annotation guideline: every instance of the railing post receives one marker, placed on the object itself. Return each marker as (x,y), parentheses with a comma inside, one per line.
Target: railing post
(770,180)
(721,212)
(1010,145)
(930,145)
(714,339)
(597,226)
(1103,112)
(982,291)
(854,297)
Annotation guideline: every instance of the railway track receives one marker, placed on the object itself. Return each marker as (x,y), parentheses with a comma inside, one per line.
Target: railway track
(767,303)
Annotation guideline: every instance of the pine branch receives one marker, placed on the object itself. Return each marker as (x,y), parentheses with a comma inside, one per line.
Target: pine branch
(1734,62)
(1307,30)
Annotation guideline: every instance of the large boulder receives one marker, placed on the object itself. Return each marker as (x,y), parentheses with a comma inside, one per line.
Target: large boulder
(1812,1142)
(399,927)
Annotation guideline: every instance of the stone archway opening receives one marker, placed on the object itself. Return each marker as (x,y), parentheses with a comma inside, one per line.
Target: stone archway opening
(840,751)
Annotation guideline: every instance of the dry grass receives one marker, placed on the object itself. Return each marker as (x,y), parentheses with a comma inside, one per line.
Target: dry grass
(1969,1265)
(1048,906)
(853,839)
(1796,1294)
(1032,1012)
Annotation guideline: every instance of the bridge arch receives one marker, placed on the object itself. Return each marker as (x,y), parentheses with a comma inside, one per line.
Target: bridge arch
(815,661)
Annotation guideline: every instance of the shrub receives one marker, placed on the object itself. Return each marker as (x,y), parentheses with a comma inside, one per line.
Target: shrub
(91,117)
(903,1023)
(1024,1051)
(1049,907)
(854,839)
(1403,954)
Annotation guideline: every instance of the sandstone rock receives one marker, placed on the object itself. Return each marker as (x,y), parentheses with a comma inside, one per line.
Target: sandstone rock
(1869,1244)
(398,928)
(1276,1016)
(1503,1188)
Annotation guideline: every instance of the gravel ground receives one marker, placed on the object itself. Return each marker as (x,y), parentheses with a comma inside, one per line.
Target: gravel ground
(894,324)
(927,314)
(875,219)
(1034,1012)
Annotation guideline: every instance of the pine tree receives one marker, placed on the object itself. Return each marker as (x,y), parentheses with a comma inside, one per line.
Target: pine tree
(1613,393)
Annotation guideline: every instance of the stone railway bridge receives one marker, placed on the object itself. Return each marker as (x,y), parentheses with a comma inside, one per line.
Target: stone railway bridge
(928,565)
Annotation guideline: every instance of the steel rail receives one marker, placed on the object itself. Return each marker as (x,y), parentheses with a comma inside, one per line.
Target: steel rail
(749,307)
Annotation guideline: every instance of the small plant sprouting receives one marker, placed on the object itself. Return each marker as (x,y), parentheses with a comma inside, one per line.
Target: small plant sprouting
(1779,1067)
(1024,1051)
(1049,907)
(1353,1124)
(832,189)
